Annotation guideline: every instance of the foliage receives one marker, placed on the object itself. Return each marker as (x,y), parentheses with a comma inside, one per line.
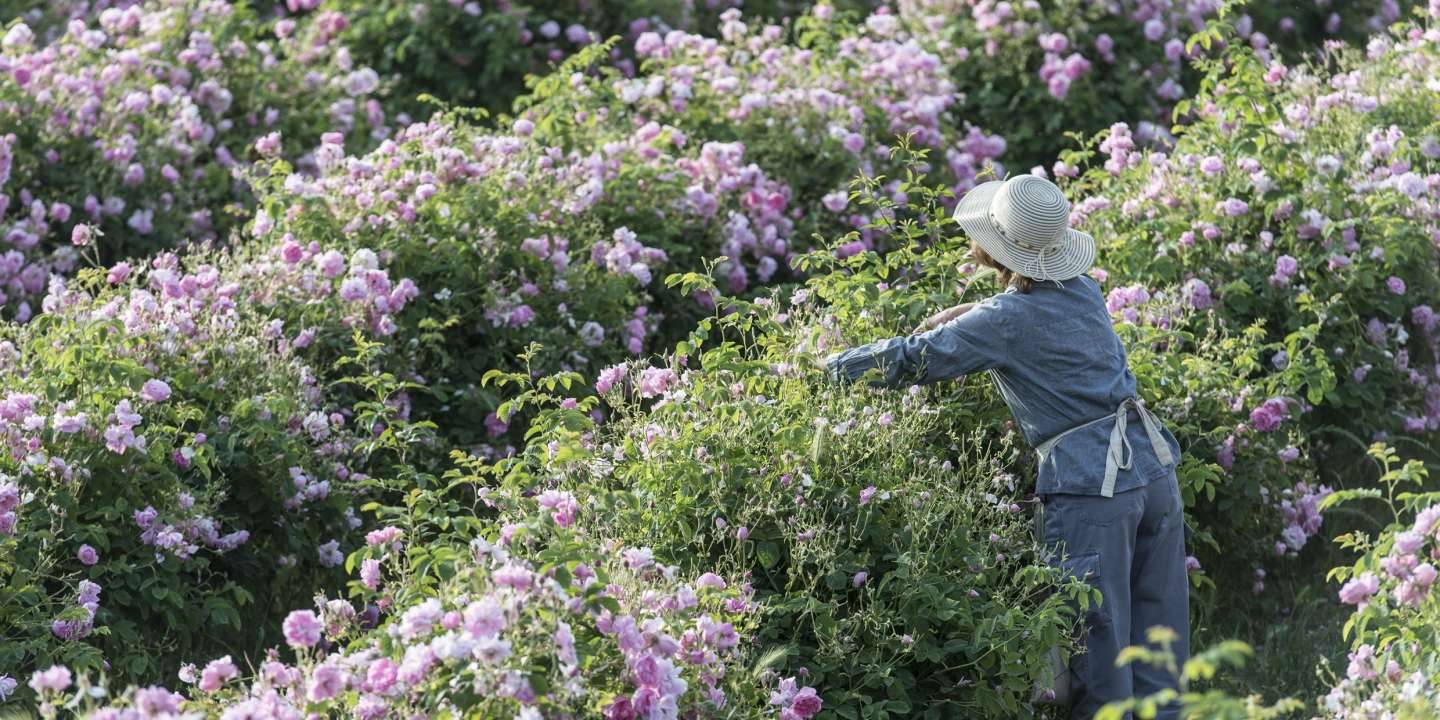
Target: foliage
(1193,703)
(1048,71)
(530,620)
(1290,225)
(682,189)
(474,54)
(513,243)
(557,228)
(1062,67)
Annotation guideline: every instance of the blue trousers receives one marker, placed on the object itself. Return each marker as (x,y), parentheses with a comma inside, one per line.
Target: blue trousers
(1132,548)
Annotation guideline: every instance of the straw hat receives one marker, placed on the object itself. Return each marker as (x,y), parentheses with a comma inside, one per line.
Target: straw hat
(1024,223)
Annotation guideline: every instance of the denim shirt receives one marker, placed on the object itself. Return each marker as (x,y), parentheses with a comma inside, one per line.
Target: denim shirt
(1057,362)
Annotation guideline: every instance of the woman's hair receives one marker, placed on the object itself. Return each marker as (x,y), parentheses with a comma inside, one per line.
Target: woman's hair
(1007,276)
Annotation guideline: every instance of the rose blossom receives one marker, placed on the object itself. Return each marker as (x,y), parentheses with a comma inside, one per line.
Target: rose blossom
(155,391)
(302,629)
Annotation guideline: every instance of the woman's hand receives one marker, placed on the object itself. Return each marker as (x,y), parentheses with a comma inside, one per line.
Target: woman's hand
(942,317)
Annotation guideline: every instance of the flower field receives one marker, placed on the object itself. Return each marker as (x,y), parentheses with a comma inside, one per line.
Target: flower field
(465,359)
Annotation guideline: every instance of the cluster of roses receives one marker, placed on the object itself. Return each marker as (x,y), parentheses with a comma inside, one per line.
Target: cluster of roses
(112,408)
(502,637)
(1393,675)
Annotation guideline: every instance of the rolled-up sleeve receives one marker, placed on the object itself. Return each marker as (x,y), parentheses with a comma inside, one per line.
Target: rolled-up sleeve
(970,343)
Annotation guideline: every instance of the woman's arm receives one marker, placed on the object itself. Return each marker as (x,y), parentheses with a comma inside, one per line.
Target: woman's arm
(974,340)
(942,317)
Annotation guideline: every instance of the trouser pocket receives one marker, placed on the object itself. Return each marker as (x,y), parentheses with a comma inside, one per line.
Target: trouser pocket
(1065,674)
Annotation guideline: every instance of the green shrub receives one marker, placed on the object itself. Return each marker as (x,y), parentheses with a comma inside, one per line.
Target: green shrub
(474,605)
(512,243)
(1044,71)
(558,230)
(880,531)
(1193,702)
(165,452)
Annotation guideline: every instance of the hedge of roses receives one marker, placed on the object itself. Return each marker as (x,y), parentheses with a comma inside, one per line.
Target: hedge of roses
(1042,70)
(170,465)
(121,134)
(735,453)
(813,113)
(475,54)
(1061,67)
(1254,236)
(826,565)
(1300,208)
(843,91)
(513,242)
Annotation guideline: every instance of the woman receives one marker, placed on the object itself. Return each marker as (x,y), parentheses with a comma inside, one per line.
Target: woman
(1107,466)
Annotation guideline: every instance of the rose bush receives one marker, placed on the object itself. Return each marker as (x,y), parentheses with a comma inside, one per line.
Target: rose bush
(1347,229)
(513,243)
(170,465)
(1061,67)
(186,436)
(120,136)
(846,89)
(555,229)
(814,103)
(1042,70)
(474,54)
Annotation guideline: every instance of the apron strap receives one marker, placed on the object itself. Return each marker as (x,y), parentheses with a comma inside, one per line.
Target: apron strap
(1120,456)
(1157,438)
